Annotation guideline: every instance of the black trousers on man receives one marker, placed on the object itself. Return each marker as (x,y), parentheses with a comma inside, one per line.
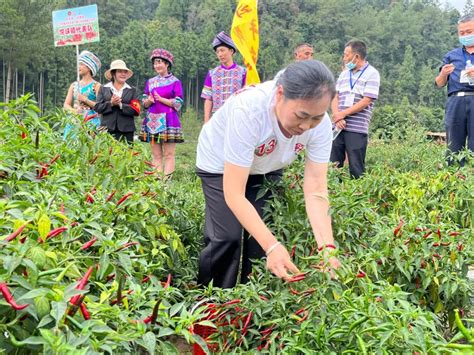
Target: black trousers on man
(459,121)
(224,244)
(355,144)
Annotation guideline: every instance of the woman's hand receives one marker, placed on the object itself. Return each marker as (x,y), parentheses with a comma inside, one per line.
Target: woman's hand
(157,97)
(279,263)
(116,100)
(330,262)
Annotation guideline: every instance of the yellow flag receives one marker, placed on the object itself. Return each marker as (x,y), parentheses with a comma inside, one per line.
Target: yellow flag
(244,33)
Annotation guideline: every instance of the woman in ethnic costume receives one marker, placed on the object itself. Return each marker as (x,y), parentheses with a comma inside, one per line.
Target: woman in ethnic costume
(82,96)
(161,126)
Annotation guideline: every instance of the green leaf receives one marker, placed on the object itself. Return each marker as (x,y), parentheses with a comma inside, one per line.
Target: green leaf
(44,226)
(149,340)
(34,293)
(176,308)
(58,311)
(45,321)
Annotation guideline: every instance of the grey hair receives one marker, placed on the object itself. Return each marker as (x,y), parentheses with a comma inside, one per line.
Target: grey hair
(307,79)
(466,18)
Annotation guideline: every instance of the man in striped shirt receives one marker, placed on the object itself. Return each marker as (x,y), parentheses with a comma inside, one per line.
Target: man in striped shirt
(357,87)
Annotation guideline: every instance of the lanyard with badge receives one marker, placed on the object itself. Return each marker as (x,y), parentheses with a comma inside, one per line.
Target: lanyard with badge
(349,101)
(464,77)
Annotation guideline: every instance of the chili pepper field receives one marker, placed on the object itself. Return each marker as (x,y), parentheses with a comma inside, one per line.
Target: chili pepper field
(98,255)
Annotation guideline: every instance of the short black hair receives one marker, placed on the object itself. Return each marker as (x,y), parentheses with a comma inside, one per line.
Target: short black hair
(166,60)
(307,79)
(466,18)
(224,45)
(301,45)
(358,47)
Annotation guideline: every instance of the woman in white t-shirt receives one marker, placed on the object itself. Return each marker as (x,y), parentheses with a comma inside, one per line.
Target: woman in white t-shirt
(257,132)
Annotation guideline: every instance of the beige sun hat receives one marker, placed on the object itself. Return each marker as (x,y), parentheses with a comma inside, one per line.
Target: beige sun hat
(115,65)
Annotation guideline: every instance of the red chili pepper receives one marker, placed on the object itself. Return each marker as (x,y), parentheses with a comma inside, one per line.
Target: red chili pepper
(445,244)
(89,198)
(74,299)
(296,278)
(61,209)
(17,232)
(123,198)
(263,298)
(88,244)
(308,292)
(427,234)
(145,279)
(147,320)
(436,255)
(330,246)
(454,234)
(55,232)
(379,262)
(361,274)
(85,311)
(54,159)
(149,163)
(9,298)
(150,172)
(293,251)
(89,117)
(42,171)
(299,311)
(396,231)
(293,291)
(304,317)
(231,302)
(168,282)
(268,330)
(94,158)
(134,154)
(439,233)
(110,277)
(126,245)
(111,195)
(436,244)
(460,247)
(247,322)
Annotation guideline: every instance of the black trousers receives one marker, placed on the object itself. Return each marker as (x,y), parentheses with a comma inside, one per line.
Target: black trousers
(459,121)
(224,244)
(126,136)
(355,144)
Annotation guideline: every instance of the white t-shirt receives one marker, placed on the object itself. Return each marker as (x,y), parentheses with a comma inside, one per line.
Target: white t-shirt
(245,132)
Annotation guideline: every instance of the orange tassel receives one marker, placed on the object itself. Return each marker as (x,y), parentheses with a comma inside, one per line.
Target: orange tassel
(144,136)
(152,139)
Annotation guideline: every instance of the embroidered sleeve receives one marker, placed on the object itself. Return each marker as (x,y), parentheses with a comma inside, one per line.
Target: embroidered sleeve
(177,103)
(178,95)
(207,89)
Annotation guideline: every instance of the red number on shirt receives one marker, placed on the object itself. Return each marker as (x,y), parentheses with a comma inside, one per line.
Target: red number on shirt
(266,148)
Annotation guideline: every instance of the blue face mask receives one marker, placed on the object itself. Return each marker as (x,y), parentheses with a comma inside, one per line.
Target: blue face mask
(467,41)
(350,65)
